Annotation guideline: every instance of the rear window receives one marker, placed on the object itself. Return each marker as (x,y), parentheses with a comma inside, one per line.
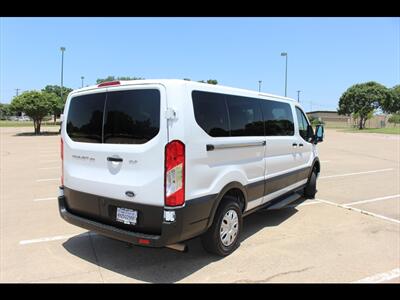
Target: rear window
(121,117)
(85,118)
(132,117)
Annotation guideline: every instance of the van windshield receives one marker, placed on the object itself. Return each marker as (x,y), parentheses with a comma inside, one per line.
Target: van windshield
(120,117)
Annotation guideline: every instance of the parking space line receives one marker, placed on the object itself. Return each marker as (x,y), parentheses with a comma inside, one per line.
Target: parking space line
(325,161)
(372,200)
(45,199)
(381,277)
(47,179)
(358,173)
(359,210)
(50,239)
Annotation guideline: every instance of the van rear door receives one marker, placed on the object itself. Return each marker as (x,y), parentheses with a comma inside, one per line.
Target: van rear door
(114,140)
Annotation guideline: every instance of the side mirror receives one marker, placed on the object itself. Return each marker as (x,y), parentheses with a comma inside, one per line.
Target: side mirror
(319,134)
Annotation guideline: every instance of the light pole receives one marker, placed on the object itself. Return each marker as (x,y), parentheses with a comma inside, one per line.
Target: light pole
(82,77)
(259,85)
(298,96)
(285,54)
(62,70)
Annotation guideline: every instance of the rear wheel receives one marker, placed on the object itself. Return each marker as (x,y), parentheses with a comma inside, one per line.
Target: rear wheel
(311,188)
(222,238)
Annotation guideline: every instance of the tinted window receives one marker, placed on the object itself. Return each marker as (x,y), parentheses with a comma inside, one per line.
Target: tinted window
(245,116)
(211,113)
(278,118)
(131,117)
(303,124)
(85,118)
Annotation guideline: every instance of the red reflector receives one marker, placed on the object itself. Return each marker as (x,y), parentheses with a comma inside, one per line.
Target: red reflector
(108,83)
(144,241)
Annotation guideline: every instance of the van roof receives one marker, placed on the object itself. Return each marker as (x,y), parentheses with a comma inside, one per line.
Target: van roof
(201,85)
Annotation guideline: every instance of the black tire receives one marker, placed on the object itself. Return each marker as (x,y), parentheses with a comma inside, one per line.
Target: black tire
(311,188)
(211,240)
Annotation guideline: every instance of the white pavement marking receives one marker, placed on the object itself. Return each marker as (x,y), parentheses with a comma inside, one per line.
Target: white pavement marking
(49,154)
(49,168)
(372,200)
(359,210)
(381,277)
(47,161)
(45,199)
(47,179)
(49,239)
(325,161)
(358,173)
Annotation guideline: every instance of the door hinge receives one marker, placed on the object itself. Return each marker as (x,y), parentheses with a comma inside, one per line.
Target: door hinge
(170,114)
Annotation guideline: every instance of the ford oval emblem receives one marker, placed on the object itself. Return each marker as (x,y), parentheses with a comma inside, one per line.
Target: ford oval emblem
(130,194)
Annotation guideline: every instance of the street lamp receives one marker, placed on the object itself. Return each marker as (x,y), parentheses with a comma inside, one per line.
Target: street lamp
(62,70)
(82,77)
(298,96)
(285,54)
(259,85)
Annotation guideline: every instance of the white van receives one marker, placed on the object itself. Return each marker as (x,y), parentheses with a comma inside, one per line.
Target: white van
(158,162)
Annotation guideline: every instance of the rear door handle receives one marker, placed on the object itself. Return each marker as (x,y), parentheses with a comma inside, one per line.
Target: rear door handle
(301,145)
(294,145)
(114,159)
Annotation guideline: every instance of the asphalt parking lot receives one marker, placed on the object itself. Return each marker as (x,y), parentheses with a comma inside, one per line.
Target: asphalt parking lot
(350,232)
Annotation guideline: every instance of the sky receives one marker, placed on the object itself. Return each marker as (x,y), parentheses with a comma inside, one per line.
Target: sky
(325,55)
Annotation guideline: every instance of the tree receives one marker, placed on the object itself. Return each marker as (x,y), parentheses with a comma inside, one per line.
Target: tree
(58,106)
(212,81)
(5,111)
(391,104)
(36,105)
(112,78)
(395,118)
(209,81)
(362,99)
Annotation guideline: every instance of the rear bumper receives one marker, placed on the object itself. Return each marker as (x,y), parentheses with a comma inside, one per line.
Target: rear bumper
(188,224)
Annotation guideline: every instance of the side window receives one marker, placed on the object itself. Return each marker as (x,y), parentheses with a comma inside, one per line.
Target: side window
(303,123)
(211,113)
(278,118)
(245,116)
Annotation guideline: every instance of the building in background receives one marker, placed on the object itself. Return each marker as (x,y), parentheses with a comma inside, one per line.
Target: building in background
(330,118)
(333,119)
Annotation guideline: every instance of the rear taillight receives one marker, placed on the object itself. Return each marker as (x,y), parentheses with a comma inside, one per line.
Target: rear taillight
(108,83)
(174,186)
(62,160)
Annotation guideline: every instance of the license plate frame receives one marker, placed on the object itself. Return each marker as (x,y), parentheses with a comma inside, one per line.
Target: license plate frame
(126,215)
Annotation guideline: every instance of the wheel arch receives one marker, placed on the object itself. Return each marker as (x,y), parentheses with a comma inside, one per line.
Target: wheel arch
(235,189)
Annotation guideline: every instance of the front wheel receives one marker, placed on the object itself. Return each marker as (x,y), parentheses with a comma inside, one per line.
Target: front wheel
(222,238)
(311,188)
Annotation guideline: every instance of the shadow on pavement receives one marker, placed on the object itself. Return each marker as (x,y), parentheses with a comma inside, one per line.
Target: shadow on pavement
(43,133)
(161,264)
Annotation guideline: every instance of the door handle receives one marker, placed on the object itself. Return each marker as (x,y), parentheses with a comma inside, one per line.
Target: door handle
(301,145)
(114,159)
(294,145)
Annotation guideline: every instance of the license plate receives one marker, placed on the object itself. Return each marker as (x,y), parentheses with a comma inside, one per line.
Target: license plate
(126,215)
